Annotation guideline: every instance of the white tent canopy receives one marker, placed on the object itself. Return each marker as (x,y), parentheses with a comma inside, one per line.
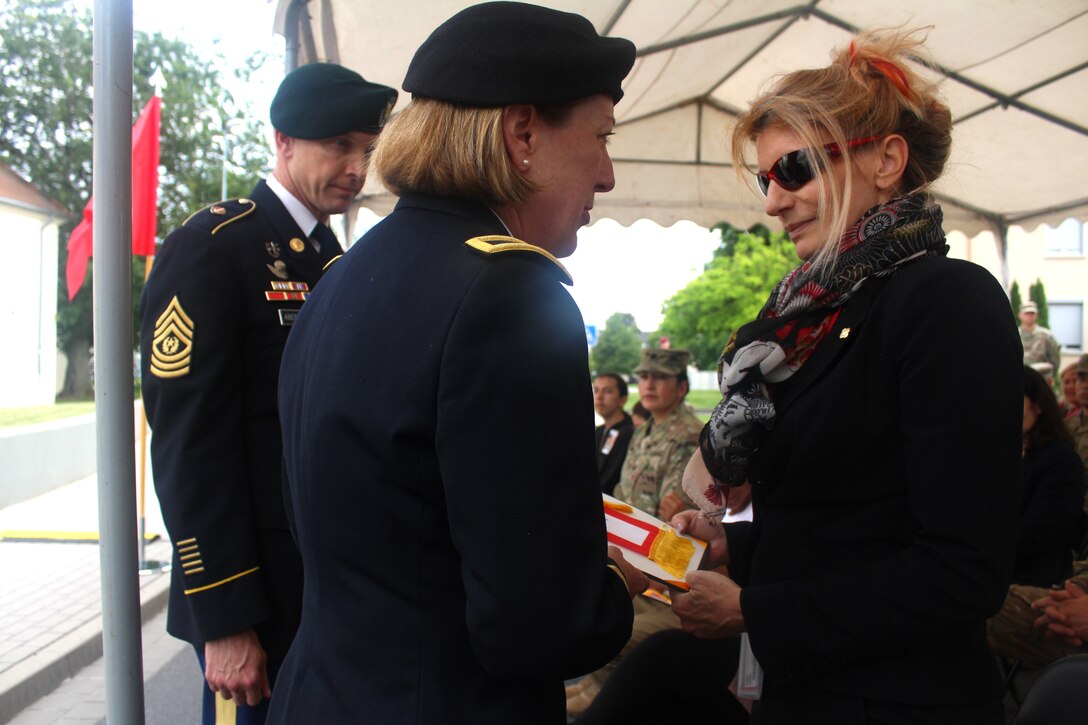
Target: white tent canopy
(1016,79)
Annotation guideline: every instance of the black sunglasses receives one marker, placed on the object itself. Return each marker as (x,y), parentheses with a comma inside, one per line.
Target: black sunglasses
(797,168)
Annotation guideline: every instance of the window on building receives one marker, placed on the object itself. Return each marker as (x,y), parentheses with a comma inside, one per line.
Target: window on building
(1067,240)
(1067,323)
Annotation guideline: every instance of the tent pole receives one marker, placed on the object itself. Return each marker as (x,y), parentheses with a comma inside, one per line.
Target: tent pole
(290,34)
(112,230)
(1001,241)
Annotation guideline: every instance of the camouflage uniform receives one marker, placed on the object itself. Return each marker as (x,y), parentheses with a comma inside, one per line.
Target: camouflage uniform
(656,459)
(1041,347)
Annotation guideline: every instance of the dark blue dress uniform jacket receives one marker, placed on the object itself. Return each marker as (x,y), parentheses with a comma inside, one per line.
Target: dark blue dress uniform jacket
(886,500)
(439,454)
(211,340)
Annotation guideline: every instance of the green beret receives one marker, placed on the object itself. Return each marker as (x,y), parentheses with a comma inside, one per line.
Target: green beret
(498,53)
(321,100)
(667,362)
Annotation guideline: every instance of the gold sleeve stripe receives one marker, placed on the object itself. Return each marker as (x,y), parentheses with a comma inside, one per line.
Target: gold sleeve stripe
(619,573)
(187,549)
(329,263)
(226,711)
(194,555)
(497,243)
(194,571)
(186,542)
(221,582)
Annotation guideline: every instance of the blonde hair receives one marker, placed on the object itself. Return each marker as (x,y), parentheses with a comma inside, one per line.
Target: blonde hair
(447,150)
(869,89)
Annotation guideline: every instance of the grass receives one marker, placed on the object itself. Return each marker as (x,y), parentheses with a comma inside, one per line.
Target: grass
(43,413)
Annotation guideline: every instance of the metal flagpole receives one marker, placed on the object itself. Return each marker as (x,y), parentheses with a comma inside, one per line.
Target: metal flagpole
(112,232)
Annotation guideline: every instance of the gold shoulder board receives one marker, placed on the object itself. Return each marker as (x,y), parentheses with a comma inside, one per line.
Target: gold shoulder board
(231,209)
(499,243)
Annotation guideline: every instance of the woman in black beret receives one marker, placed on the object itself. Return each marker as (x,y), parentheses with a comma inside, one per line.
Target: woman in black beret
(448,514)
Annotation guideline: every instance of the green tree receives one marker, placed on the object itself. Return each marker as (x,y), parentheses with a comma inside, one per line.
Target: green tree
(45,135)
(1037,294)
(618,346)
(730,292)
(1015,300)
(730,235)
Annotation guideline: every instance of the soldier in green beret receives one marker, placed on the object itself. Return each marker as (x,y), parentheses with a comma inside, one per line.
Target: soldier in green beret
(225,291)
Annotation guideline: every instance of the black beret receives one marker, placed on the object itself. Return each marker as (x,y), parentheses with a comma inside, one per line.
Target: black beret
(321,100)
(498,53)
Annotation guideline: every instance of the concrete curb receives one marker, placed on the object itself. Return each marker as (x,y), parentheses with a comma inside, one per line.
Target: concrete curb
(37,676)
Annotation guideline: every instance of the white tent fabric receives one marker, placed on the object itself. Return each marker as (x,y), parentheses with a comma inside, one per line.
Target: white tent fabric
(1015,76)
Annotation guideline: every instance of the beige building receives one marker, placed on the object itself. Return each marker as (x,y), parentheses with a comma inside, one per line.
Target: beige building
(1058,257)
(28,294)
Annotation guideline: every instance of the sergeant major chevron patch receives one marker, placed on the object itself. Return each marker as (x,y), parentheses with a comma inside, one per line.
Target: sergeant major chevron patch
(173,343)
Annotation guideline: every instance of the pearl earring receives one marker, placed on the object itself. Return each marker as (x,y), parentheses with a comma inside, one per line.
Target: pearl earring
(525,163)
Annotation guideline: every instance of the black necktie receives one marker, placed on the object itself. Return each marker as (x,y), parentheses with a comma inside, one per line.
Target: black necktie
(328,241)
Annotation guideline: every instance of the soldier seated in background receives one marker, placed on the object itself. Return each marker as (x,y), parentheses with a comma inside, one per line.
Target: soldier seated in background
(614,434)
(1077,422)
(1068,400)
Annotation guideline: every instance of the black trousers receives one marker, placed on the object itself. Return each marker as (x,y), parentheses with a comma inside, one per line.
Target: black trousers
(672,676)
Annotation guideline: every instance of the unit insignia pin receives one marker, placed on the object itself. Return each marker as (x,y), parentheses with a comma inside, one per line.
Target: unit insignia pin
(297,245)
(845,333)
(218,210)
(273,249)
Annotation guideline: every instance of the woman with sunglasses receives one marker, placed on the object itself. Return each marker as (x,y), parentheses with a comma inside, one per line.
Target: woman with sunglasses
(884,485)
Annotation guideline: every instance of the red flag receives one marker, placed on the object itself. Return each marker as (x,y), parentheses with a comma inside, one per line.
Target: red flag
(145,178)
(79,251)
(145,188)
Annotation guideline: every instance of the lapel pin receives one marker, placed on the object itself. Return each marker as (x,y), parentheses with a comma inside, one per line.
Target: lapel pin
(297,245)
(844,333)
(218,210)
(273,249)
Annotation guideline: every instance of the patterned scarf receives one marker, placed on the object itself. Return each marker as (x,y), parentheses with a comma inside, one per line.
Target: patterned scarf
(799,313)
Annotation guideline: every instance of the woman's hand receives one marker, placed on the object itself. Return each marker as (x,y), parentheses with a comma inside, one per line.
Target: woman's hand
(711,609)
(694,523)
